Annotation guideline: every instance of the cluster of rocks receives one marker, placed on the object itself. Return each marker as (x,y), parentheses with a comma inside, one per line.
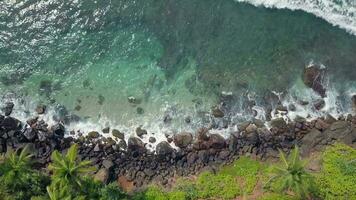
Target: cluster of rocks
(129,161)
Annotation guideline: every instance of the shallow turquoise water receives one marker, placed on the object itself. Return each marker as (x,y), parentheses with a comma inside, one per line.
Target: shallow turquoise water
(175,57)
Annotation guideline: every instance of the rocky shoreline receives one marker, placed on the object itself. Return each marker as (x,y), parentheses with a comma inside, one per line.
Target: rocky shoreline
(133,165)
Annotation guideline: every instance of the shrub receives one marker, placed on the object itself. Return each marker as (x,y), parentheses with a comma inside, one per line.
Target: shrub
(337,179)
(217,186)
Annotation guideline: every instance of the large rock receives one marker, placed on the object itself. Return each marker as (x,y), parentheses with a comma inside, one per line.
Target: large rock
(278,123)
(7,109)
(341,131)
(182,140)
(216,141)
(134,144)
(30,134)
(118,134)
(313,78)
(163,148)
(10,124)
(58,130)
(102,175)
(353,103)
(311,140)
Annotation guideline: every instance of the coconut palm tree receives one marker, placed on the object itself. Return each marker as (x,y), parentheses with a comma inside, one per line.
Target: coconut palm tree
(67,169)
(291,177)
(15,167)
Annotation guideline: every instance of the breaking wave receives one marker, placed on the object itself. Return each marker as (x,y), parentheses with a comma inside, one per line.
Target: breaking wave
(341,13)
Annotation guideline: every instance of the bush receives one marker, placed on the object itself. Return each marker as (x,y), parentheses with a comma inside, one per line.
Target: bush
(217,186)
(337,179)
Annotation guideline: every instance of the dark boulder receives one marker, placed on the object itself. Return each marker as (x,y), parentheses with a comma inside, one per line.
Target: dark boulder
(134,144)
(341,131)
(310,141)
(10,124)
(353,103)
(118,134)
(278,123)
(93,134)
(163,148)
(30,134)
(40,109)
(152,139)
(140,132)
(216,141)
(106,130)
(319,104)
(313,78)
(58,130)
(182,140)
(7,109)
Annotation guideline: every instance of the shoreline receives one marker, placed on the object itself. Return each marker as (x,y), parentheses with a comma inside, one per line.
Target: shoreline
(133,163)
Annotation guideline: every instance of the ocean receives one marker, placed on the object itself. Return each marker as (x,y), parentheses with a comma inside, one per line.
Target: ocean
(163,65)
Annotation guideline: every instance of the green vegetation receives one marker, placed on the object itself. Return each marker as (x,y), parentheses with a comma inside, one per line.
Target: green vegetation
(244,178)
(337,179)
(291,177)
(69,180)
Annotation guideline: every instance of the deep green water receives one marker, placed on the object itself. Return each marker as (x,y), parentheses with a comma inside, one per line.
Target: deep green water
(176,57)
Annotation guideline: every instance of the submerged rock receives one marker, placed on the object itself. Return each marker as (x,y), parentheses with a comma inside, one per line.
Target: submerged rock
(152,139)
(216,112)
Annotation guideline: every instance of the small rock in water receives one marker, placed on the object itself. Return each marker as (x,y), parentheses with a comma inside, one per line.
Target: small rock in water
(106,130)
(152,139)
(140,110)
(303,103)
(319,104)
(187,120)
(40,109)
(101,99)
(118,134)
(7,109)
(133,100)
(93,134)
(216,112)
(292,107)
(140,132)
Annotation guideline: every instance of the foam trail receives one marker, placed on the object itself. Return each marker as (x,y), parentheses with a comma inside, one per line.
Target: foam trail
(341,13)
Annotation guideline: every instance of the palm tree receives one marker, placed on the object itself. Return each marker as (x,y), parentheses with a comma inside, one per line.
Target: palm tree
(291,176)
(67,170)
(15,166)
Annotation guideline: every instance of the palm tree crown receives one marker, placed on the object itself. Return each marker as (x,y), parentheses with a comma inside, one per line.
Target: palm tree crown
(291,175)
(67,169)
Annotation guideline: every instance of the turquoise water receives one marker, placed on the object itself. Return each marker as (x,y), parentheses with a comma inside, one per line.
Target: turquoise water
(174,57)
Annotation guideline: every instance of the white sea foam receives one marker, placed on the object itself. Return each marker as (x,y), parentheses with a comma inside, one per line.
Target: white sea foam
(341,13)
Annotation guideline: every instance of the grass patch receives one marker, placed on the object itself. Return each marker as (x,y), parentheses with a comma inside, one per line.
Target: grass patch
(247,172)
